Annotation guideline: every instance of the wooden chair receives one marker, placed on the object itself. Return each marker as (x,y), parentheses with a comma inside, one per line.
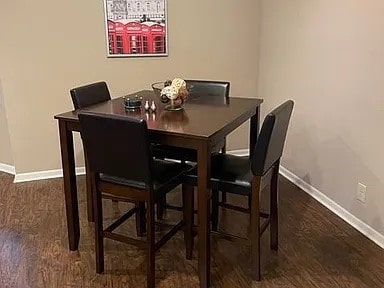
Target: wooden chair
(202,91)
(90,94)
(121,165)
(82,97)
(248,176)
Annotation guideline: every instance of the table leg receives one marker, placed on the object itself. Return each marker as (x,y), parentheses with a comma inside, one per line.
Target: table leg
(255,123)
(204,239)
(70,189)
(253,135)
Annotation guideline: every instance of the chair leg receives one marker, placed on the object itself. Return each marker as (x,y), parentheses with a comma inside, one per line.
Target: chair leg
(224,194)
(223,197)
(274,209)
(151,245)
(140,219)
(162,203)
(161,207)
(215,209)
(99,239)
(249,198)
(255,229)
(188,205)
(88,179)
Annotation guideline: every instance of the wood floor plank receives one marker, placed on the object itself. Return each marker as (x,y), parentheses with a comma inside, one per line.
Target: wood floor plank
(316,248)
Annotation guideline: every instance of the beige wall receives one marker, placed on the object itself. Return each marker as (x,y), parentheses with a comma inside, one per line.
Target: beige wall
(329,57)
(5,145)
(50,48)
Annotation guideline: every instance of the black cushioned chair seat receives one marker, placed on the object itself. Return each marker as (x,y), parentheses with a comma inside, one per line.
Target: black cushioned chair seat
(165,174)
(229,173)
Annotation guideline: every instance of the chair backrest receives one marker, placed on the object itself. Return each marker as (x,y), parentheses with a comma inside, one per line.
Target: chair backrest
(90,94)
(210,92)
(270,143)
(117,146)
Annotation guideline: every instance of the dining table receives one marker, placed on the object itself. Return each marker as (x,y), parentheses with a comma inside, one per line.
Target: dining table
(199,125)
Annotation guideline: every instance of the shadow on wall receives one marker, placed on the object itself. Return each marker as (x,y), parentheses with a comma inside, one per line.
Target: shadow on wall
(5,142)
(334,168)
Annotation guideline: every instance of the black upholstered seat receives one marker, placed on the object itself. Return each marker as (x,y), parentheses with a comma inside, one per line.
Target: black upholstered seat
(229,173)
(165,174)
(122,166)
(245,176)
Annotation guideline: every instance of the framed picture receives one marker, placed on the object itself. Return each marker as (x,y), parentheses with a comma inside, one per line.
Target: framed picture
(136,28)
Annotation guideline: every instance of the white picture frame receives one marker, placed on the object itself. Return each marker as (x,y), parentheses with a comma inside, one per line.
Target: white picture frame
(136,28)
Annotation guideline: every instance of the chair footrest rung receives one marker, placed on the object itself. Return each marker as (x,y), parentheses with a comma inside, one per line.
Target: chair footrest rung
(177,208)
(116,198)
(241,209)
(168,235)
(165,225)
(121,238)
(121,220)
(173,207)
(234,207)
(231,237)
(143,243)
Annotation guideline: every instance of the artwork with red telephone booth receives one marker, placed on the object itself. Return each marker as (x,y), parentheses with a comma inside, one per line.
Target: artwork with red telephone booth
(136,28)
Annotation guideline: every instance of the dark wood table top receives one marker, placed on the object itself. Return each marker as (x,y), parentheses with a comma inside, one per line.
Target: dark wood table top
(196,120)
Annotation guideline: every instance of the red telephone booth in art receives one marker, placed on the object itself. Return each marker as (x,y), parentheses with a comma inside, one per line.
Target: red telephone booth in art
(111,37)
(158,42)
(145,33)
(134,38)
(121,44)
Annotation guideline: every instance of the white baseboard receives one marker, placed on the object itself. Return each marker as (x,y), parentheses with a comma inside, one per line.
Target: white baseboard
(32,176)
(7,168)
(352,220)
(240,152)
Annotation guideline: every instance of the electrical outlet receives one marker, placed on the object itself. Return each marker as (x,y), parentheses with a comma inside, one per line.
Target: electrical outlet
(361,192)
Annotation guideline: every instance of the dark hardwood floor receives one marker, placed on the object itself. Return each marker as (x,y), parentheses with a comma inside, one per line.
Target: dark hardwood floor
(316,248)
